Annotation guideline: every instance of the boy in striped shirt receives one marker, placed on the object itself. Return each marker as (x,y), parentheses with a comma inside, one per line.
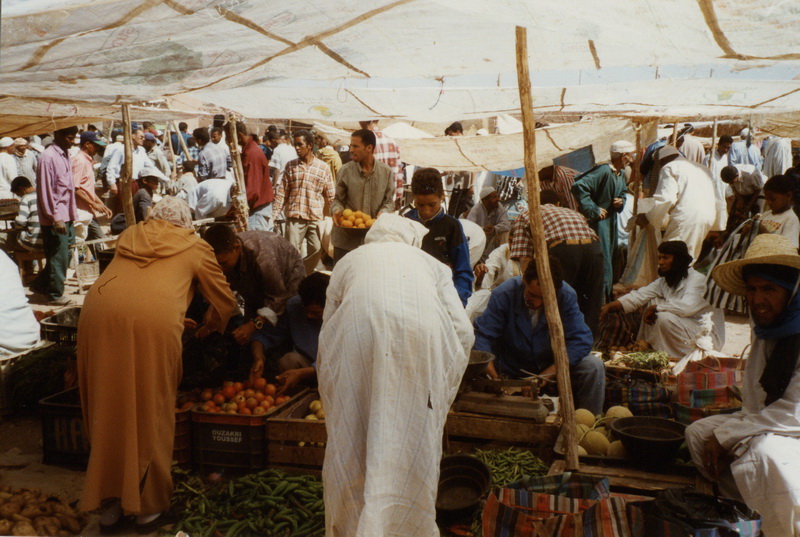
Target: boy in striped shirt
(27,220)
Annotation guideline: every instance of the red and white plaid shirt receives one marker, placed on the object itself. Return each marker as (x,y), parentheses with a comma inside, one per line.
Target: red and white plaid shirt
(303,190)
(560,224)
(387,152)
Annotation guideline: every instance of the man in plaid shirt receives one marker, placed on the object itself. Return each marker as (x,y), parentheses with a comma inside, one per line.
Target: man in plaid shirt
(570,240)
(387,152)
(305,185)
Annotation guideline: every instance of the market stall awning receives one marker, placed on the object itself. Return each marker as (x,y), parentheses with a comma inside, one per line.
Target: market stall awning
(115,51)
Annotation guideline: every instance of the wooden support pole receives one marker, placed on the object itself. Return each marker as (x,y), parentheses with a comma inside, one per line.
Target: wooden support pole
(637,180)
(181,140)
(126,176)
(239,193)
(713,145)
(168,135)
(674,134)
(565,402)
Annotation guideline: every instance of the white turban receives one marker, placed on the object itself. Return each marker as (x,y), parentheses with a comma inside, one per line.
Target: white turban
(487,191)
(622,146)
(6,141)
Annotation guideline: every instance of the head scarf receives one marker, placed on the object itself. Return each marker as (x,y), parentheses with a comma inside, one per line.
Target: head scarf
(782,362)
(681,260)
(173,210)
(395,228)
(487,190)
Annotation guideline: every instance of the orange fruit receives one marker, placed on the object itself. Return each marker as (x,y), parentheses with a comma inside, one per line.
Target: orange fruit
(270,399)
(248,393)
(219,399)
(187,405)
(228,391)
(346,213)
(260,384)
(347,223)
(239,399)
(231,412)
(238,386)
(259,396)
(251,402)
(270,389)
(266,404)
(206,395)
(259,410)
(245,411)
(362,225)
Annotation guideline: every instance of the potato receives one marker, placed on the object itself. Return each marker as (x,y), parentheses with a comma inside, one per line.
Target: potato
(33,510)
(23,529)
(7,510)
(71,524)
(5,527)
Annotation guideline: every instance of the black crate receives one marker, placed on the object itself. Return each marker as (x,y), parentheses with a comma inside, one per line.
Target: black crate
(233,443)
(229,442)
(64,440)
(62,328)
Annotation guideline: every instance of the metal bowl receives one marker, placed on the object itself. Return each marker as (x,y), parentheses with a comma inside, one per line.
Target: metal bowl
(463,481)
(648,440)
(478,362)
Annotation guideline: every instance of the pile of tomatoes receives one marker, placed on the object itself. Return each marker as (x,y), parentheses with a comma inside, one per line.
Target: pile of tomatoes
(241,398)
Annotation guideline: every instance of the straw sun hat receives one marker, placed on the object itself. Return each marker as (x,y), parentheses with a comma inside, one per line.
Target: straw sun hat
(767,249)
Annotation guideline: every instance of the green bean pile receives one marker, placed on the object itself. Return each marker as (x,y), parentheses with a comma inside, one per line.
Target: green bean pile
(509,465)
(269,503)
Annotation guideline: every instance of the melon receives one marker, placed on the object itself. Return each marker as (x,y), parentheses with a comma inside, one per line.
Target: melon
(581,430)
(582,452)
(618,412)
(616,449)
(585,417)
(595,443)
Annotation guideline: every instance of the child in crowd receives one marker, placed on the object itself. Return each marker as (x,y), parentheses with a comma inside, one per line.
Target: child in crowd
(446,240)
(780,218)
(27,221)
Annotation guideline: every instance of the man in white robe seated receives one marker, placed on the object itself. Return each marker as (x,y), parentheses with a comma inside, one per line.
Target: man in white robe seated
(753,454)
(674,304)
(19,329)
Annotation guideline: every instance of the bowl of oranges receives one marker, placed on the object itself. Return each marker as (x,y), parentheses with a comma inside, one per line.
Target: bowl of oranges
(355,222)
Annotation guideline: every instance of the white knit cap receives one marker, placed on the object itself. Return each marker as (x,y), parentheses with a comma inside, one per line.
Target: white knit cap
(623,146)
(487,191)
(6,141)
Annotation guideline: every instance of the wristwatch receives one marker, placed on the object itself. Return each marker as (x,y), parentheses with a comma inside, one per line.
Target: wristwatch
(258,322)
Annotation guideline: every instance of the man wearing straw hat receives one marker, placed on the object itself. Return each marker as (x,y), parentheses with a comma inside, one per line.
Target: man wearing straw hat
(753,454)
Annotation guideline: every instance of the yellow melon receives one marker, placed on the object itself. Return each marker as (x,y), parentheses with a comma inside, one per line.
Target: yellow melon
(585,417)
(595,443)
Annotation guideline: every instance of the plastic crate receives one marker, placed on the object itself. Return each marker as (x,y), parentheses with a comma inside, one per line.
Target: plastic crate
(62,328)
(288,429)
(6,362)
(65,442)
(233,443)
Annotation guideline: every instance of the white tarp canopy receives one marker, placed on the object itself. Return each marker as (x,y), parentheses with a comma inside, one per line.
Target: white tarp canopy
(253,56)
(25,117)
(506,151)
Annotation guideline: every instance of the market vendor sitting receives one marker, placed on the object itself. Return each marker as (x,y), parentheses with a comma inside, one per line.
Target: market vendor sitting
(262,267)
(294,340)
(514,328)
(753,453)
(674,304)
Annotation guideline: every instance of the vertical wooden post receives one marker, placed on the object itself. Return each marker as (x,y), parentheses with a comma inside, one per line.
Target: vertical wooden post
(566,404)
(181,140)
(174,172)
(713,145)
(674,134)
(126,176)
(637,180)
(239,193)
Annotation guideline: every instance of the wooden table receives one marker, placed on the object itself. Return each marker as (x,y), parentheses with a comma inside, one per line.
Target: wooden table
(641,481)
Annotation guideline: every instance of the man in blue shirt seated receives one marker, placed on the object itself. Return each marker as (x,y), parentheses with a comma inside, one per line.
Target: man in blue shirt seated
(514,328)
(294,339)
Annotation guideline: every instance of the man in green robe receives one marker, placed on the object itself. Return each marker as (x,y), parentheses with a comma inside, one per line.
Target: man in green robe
(600,194)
